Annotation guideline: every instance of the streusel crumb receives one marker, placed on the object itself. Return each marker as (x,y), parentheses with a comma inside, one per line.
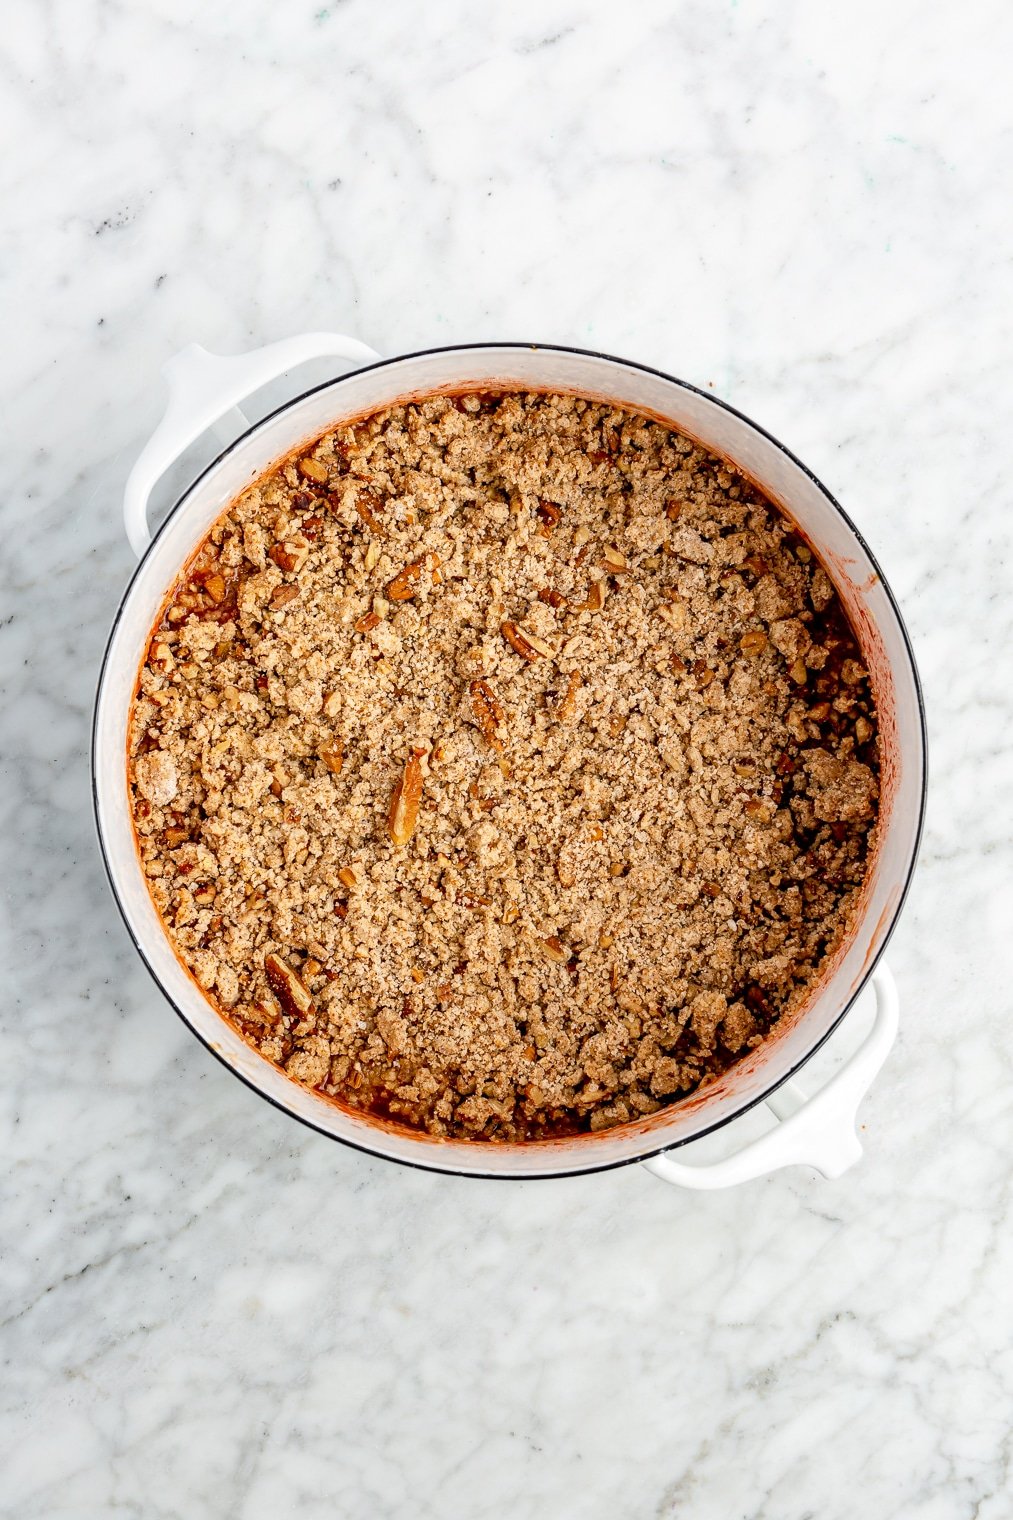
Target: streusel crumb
(505,765)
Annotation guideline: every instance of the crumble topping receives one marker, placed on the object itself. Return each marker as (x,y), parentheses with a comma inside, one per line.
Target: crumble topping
(504,764)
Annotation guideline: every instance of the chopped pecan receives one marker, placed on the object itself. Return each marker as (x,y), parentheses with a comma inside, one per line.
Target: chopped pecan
(488,712)
(367,505)
(549,514)
(403,812)
(263,1013)
(288,556)
(333,756)
(552,597)
(566,707)
(367,622)
(283,594)
(293,996)
(595,599)
(405,584)
(674,614)
(160,656)
(528,645)
(555,949)
(313,470)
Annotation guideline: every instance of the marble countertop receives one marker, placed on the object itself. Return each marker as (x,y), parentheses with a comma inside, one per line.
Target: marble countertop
(210,1312)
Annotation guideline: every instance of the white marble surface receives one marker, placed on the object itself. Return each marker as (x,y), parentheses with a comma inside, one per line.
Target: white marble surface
(209,1312)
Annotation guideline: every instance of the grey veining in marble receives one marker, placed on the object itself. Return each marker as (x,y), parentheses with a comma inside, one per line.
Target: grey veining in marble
(209,1312)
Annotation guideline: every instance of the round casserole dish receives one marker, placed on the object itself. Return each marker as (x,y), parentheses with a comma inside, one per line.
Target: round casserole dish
(817,1130)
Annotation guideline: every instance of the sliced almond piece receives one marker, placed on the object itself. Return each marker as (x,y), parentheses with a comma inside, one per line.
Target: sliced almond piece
(293,996)
(403,812)
(347,877)
(488,712)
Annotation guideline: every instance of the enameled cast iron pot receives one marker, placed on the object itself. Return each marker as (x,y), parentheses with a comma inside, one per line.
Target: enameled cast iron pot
(204,389)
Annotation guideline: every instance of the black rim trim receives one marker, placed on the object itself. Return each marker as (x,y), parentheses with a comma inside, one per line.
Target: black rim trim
(606,1166)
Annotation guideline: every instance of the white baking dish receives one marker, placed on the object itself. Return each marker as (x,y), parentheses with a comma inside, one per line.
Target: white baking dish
(817,1130)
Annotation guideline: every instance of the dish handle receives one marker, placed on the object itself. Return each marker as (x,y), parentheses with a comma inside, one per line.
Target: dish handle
(204,390)
(817,1131)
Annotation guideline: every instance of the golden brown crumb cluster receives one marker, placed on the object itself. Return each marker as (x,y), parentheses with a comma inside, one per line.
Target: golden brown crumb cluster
(504,765)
